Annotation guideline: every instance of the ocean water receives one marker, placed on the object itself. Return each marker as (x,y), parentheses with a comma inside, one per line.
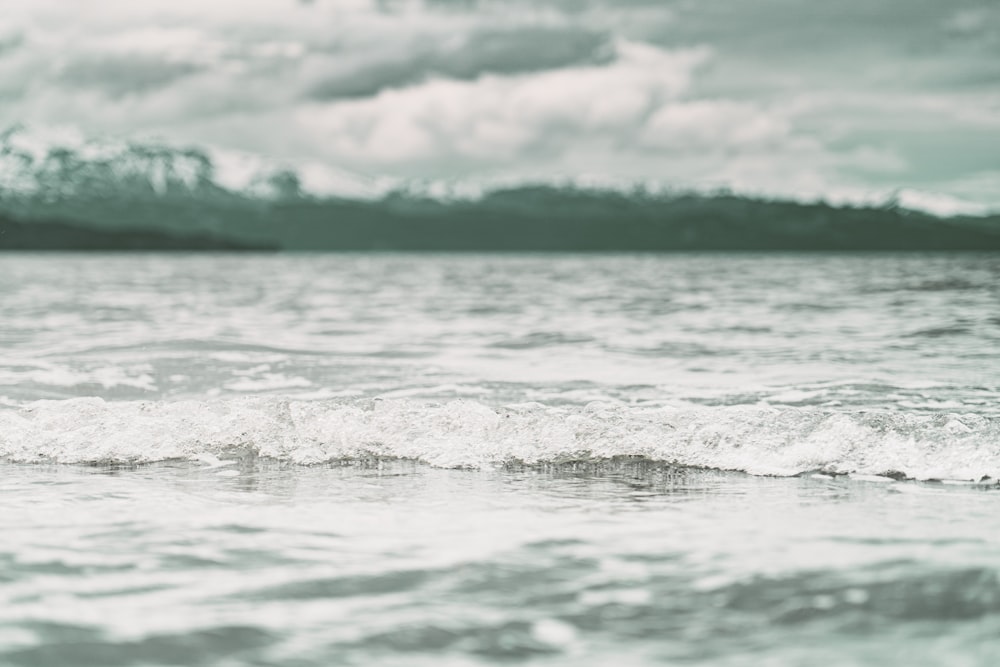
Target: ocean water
(719,459)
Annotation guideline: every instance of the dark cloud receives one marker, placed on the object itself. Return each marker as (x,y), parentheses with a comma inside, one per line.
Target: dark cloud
(10,42)
(850,44)
(122,75)
(530,49)
(567,6)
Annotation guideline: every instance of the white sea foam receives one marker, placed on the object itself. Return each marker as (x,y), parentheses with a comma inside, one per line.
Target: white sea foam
(759,440)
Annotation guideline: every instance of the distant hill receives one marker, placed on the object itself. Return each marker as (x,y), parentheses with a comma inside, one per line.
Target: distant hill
(518,219)
(552,219)
(141,196)
(59,236)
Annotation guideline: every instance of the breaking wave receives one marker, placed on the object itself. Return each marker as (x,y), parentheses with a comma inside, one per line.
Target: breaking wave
(759,440)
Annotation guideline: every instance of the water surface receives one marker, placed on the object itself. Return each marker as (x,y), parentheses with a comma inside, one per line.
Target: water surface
(467,460)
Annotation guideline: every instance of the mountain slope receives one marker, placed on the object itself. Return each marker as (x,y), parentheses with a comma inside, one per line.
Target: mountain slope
(128,189)
(60,236)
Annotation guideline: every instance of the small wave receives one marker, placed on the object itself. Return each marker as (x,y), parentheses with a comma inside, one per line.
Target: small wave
(541,339)
(940,332)
(947,284)
(760,440)
(933,595)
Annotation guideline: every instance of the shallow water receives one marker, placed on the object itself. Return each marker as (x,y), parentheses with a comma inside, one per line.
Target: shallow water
(315,460)
(407,564)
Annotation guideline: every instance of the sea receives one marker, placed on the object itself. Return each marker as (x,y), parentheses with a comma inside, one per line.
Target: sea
(448,460)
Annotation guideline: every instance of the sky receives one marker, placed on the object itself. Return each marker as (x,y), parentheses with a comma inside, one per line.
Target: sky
(794,98)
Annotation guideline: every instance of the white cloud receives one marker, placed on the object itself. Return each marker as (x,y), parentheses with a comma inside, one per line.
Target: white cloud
(937,203)
(715,125)
(502,118)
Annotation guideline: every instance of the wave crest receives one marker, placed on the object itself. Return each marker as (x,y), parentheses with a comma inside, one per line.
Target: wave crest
(760,440)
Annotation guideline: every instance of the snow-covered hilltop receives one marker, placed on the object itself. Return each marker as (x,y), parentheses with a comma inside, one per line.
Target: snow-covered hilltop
(48,163)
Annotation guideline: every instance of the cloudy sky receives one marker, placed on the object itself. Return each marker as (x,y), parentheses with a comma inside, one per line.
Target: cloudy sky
(789,97)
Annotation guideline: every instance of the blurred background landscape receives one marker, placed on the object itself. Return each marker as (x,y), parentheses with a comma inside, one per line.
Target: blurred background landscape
(499,125)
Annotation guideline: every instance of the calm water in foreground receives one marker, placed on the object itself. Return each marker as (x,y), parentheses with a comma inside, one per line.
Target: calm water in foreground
(437,460)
